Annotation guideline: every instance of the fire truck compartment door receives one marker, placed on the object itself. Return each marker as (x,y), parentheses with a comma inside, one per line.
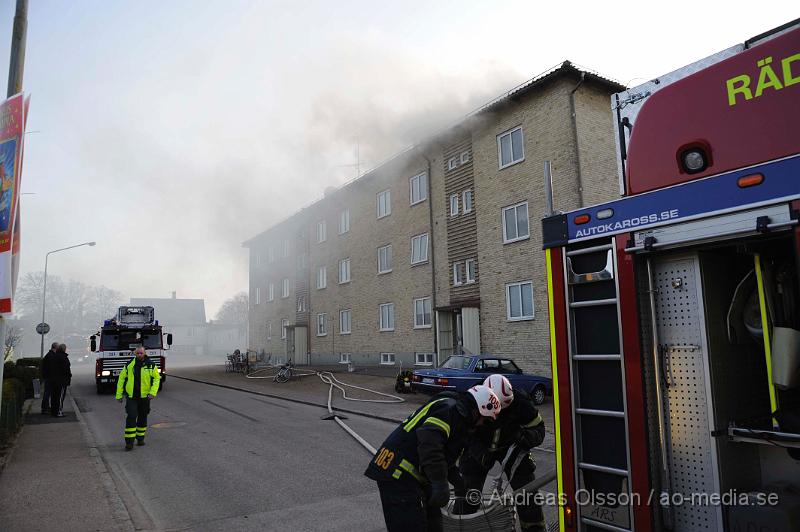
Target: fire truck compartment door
(725,226)
(692,452)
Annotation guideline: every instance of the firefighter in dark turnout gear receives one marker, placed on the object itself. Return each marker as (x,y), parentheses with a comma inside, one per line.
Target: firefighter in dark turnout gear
(414,464)
(138,384)
(520,425)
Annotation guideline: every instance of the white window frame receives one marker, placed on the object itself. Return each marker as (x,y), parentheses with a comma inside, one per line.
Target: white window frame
(344,221)
(284,328)
(258,295)
(424,361)
(344,268)
(322,329)
(271,294)
(322,277)
(322,231)
(390,258)
(301,304)
(388,359)
(269,330)
(522,317)
(422,187)
(453,205)
(384,199)
(464,157)
(285,248)
(258,258)
(285,288)
(421,259)
(506,239)
(271,254)
(423,325)
(452,163)
(464,195)
(348,313)
(345,358)
(390,316)
(471,278)
(510,134)
(458,279)
(301,261)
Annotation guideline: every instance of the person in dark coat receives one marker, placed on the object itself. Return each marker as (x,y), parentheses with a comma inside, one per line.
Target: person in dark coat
(63,348)
(56,373)
(45,386)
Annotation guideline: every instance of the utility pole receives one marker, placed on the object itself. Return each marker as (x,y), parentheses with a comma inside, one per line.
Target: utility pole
(15,69)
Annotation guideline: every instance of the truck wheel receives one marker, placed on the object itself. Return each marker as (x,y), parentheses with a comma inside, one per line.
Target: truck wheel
(538,394)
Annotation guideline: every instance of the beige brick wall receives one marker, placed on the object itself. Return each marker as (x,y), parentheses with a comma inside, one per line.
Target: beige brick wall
(596,143)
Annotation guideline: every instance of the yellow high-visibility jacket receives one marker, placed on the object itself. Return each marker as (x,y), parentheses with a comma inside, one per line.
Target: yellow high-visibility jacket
(150,379)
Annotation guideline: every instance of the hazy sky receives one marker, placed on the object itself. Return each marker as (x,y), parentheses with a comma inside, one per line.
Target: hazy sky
(171,131)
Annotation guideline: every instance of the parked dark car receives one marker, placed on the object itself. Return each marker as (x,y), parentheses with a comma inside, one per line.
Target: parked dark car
(461,372)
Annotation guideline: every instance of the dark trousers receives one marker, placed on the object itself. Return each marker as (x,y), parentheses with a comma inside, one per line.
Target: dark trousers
(45,396)
(55,397)
(136,419)
(474,470)
(405,508)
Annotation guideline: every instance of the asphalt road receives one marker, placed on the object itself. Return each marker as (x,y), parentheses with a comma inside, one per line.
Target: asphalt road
(219,459)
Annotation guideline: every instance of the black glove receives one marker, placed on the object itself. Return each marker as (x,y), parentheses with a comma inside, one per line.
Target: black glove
(531,437)
(459,485)
(440,494)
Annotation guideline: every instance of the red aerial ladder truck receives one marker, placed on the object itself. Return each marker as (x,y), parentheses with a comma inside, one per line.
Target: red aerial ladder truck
(675,311)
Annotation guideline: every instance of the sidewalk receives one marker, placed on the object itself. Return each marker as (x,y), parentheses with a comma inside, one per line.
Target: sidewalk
(55,479)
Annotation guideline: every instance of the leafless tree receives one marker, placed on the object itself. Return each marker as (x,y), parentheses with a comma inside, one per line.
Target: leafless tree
(14,336)
(234,310)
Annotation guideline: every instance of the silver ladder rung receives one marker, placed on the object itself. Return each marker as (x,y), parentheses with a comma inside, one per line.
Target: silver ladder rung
(604,526)
(594,303)
(596,412)
(596,357)
(592,249)
(603,469)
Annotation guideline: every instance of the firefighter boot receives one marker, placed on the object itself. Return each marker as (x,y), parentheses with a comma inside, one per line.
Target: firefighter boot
(128,445)
(140,441)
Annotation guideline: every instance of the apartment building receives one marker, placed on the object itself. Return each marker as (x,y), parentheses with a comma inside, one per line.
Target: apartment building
(438,251)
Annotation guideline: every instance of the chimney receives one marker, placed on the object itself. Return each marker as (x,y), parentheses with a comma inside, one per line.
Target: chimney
(174,294)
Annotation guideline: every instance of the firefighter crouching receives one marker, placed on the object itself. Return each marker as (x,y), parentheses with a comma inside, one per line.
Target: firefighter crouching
(519,424)
(414,464)
(138,383)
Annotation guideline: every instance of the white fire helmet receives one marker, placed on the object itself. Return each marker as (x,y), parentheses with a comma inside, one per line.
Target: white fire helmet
(488,403)
(501,386)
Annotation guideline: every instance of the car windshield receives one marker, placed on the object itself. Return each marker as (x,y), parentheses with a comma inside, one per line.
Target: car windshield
(124,340)
(456,362)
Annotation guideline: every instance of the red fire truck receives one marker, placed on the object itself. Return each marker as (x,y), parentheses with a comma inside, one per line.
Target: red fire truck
(675,311)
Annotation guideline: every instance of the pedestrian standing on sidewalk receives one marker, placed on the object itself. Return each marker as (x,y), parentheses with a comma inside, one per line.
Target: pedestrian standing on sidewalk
(43,380)
(138,384)
(56,373)
(63,349)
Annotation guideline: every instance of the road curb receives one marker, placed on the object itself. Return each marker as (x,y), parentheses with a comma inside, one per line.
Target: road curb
(300,401)
(118,508)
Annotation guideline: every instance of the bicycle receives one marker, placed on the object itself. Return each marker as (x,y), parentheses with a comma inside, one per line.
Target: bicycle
(285,373)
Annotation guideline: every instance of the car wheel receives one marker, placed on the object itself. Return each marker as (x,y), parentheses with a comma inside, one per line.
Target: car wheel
(538,394)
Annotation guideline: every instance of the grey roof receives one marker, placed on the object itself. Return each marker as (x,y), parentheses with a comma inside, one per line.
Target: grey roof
(170,311)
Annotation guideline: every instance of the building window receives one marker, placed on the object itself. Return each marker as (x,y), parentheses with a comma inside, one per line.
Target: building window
(301,262)
(322,231)
(384,203)
(344,358)
(345,319)
(387,317)
(285,288)
(464,157)
(419,248)
(258,295)
(515,222)
(419,188)
(472,270)
(509,147)
(269,330)
(257,258)
(454,205)
(467,201)
(285,249)
(452,163)
(423,359)
(271,294)
(387,359)
(458,274)
(322,277)
(385,259)
(284,328)
(321,319)
(344,271)
(344,221)
(422,313)
(519,301)
(271,254)
(301,304)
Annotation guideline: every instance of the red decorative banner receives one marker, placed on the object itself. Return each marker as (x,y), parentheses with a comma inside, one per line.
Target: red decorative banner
(12,129)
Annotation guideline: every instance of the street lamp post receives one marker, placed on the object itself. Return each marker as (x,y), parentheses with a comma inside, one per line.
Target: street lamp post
(44,289)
